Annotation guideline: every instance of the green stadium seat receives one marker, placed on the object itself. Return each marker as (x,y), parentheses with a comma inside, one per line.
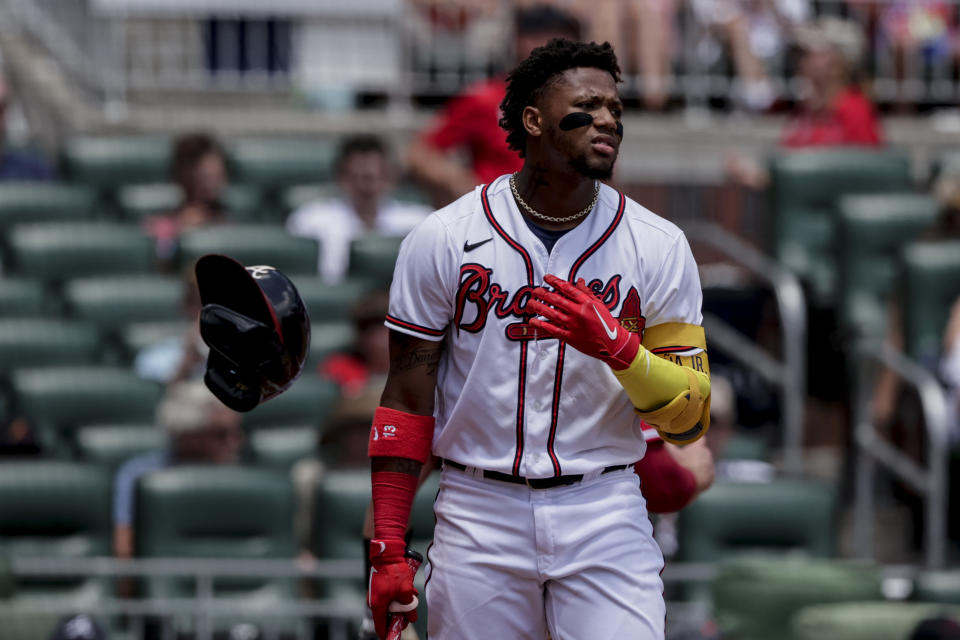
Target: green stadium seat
(57,251)
(55,509)
(743,446)
(141,200)
(217,511)
(109,445)
(277,163)
(309,401)
(331,302)
(38,342)
(938,586)
(24,298)
(72,396)
(930,286)
(805,186)
(341,505)
(252,245)
(373,257)
(783,515)
(755,597)
(113,301)
(864,620)
(328,338)
(281,447)
(873,230)
(25,202)
(107,162)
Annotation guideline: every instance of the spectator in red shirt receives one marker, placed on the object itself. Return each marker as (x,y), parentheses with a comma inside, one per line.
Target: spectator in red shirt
(470,122)
(833,110)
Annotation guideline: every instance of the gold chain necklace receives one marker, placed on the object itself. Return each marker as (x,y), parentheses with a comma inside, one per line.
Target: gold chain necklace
(537,214)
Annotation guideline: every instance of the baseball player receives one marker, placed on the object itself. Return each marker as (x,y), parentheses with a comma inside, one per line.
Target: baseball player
(526,323)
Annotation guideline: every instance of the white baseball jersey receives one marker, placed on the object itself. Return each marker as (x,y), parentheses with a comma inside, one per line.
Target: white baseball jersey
(510,402)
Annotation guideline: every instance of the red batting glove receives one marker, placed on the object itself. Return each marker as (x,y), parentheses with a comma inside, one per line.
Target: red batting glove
(576,316)
(391,590)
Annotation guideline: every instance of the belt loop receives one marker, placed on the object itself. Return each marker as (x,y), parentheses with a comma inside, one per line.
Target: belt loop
(592,475)
(476,472)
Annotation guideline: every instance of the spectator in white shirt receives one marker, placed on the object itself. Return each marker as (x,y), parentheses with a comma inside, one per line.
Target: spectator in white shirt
(365,178)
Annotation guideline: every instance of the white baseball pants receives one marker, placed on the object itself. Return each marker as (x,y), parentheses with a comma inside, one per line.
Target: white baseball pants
(512,562)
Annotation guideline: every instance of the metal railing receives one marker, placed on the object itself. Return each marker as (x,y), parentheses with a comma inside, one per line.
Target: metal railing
(400,48)
(872,449)
(205,606)
(789,373)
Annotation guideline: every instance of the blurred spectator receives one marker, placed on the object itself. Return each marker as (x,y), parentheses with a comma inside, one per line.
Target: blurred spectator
(641,31)
(939,628)
(199,169)
(361,374)
(16,164)
(833,110)
(919,34)
(369,361)
(18,437)
(365,176)
(201,431)
(181,357)
(469,123)
(756,33)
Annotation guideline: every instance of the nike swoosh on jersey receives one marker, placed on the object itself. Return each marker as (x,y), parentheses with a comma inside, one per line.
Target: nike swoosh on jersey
(467,247)
(611,333)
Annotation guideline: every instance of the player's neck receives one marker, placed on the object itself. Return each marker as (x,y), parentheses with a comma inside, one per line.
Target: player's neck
(554,195)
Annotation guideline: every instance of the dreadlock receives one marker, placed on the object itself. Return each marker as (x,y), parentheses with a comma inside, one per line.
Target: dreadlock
(527,82)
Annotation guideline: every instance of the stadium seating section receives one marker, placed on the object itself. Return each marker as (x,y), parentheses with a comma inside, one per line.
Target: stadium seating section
(805,188)
(82,294)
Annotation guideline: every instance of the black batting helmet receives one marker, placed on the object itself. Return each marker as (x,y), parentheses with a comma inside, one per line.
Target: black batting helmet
(257,329)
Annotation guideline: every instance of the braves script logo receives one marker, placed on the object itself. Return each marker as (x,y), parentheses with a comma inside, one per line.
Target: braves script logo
(478,293)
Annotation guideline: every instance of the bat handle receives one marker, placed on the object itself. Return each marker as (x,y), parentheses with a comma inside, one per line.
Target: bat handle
(399,623)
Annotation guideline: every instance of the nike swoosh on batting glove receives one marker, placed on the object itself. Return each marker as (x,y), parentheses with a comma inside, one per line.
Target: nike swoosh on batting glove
(577,316)
(391,590)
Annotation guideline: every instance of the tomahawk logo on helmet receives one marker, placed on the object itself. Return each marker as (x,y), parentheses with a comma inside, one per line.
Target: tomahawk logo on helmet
(257,328)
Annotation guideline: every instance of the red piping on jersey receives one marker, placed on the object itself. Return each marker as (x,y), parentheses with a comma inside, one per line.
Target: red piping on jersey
(415,327)
(522,377)
(558,377)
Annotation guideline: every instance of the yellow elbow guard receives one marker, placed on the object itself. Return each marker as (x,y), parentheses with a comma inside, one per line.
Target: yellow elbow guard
(685,418)
(671,391)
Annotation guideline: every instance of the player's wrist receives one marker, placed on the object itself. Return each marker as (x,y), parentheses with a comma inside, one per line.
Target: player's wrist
(387,551)
(626,354)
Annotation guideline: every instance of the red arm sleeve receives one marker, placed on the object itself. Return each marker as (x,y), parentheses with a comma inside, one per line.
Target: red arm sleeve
(666,485)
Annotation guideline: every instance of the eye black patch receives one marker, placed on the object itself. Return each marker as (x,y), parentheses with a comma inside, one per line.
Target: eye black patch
(581,119)
(575,121)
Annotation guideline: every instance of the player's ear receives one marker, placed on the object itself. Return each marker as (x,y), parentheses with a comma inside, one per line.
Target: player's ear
(532,121)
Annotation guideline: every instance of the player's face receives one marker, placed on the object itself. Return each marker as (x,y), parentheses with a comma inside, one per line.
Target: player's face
(592,149)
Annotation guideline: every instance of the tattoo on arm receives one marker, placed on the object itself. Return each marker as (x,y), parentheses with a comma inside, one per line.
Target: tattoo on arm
(408,353)
(417,358)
